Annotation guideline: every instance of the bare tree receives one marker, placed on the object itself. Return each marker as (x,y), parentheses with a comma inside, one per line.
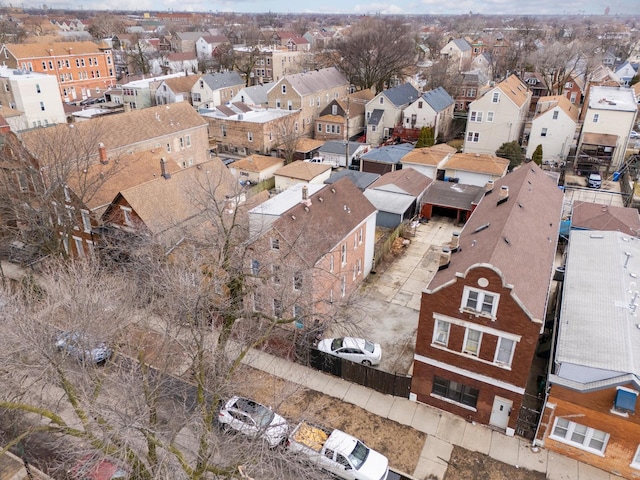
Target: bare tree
(138,56)
(377,52)
(106,25)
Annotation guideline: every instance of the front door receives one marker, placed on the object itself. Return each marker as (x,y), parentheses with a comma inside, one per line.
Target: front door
(500,412)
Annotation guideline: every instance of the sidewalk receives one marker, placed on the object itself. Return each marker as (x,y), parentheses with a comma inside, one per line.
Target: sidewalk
(444,430)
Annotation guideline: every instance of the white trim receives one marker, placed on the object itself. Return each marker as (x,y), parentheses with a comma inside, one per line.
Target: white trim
(588,436)
(636,464)
(453,402)
(475,326)
(466,373)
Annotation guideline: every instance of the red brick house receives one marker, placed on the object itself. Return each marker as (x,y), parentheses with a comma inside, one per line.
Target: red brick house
(312,246)
(483,312)
(82,68)
(593,387)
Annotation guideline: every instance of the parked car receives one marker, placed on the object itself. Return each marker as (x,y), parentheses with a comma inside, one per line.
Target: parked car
(253,419)
(594,180)
(634,134)
(354,349)
(90,469)
(83,348)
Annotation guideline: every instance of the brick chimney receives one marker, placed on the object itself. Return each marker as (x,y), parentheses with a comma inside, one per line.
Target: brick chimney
(163,167)
(103,153)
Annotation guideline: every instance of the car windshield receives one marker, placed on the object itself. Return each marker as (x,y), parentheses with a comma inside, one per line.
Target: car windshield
(260,414)
(263,416)
(359,455)
(369,346)
(336,344)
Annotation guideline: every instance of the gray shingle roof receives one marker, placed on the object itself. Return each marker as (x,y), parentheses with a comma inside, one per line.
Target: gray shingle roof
(388,153)
(360,179)
(402,94)
(438,99)
(462,44)
(222,79)
(376,117)
(314,81)
(336,146)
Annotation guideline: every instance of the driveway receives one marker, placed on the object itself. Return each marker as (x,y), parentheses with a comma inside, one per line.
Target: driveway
(387,312)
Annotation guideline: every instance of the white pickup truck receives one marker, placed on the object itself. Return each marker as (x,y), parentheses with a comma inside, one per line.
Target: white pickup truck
(324,161)
(338,453)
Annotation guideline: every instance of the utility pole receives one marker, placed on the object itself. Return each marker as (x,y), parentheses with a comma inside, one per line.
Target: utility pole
(346,135)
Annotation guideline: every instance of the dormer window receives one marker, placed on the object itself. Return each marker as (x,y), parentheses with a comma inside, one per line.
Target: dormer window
(480,302)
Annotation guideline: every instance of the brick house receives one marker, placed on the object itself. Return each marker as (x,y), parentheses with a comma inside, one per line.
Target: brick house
(592,390)
(312,247)
(309,92)
(332,122)
(482,313)
(242,130)
(82,69)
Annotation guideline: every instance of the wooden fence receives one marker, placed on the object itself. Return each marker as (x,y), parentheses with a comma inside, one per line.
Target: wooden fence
(378,380)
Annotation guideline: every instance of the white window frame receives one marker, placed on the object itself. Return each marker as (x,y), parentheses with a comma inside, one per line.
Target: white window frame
(465,344)
(343,286)
(275,243)
(86,220)
(511,352)
(596,117)
(556,113)
(473,137)
(490,116)
(588,436)
(331,263)
(478,310)
(475,116)
(441,332)
(250,136)
(360,236)
(495,98)
(343,254)
(543,132)
(359,266)
(79,246)
(126,213)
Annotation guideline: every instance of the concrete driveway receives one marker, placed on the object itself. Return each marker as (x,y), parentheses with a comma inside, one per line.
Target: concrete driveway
(387,311)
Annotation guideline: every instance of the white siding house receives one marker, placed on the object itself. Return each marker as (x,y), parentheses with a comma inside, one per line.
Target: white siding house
(497,116)
(553,127)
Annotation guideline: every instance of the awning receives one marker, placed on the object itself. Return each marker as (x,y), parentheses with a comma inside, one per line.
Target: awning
(625,400)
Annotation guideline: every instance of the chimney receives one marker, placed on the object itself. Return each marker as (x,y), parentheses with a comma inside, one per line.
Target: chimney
(488,187)
(163,167)
(455,242)
(503,195)
(102,151)
(445,258)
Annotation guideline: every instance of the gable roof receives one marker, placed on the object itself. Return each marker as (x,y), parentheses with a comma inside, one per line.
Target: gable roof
(508,235)
(406,181)
(596,216)
(182,84)
(330,215)
(462,44)
(222,79)
(599,330)
(438,99)
(304,171)
(478,162)
(115,131)
(256,163)
(388,153)
(515,89)
(257,93)
(429,155)
(166,206)
(314,81)
(360,179)
(402,94)
(376,117)
(552,101)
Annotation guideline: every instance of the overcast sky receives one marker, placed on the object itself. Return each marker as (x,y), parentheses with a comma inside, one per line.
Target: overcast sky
(436,7)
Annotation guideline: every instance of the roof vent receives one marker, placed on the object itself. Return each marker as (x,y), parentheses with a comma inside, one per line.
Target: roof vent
(163,168)
(481,227)
(488,187)
(503,196)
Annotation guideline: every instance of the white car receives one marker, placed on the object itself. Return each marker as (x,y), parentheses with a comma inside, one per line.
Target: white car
(254,419)
(634,134)
(354,349)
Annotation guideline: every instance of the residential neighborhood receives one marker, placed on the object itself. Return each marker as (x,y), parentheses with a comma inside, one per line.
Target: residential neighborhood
(414,232)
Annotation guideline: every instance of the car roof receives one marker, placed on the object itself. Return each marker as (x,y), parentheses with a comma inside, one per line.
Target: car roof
(353,342)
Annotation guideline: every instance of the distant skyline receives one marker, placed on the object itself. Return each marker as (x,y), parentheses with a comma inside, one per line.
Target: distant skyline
(416,7)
